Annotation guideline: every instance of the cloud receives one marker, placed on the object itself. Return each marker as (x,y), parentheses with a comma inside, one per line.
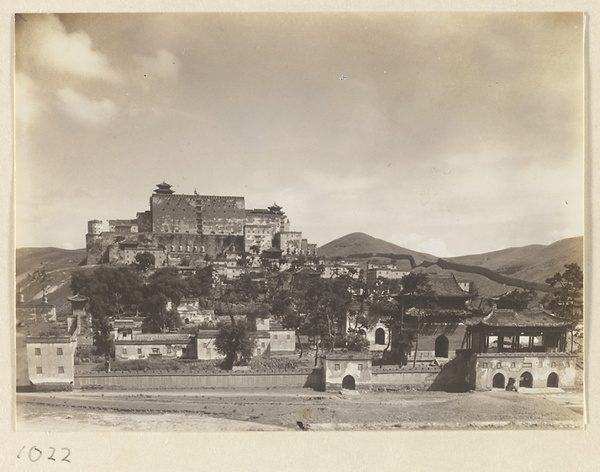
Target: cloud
(28,102)
(83,109)
(48,43)
(164,65)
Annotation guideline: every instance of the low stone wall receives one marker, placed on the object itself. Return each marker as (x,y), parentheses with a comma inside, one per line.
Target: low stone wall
(419,377)
(169,380)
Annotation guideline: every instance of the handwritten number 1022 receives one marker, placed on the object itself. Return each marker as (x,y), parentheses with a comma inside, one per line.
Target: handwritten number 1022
(35,454)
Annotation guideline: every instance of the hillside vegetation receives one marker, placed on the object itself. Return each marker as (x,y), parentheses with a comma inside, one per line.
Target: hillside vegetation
(494,273)
(50,268)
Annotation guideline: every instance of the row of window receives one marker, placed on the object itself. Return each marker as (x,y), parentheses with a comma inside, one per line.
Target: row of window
(525,365)
(338,367)
(39,370)
(38,351)
(276,336)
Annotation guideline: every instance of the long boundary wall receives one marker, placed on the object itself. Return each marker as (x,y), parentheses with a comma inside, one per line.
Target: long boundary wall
(419,377)
(129,381)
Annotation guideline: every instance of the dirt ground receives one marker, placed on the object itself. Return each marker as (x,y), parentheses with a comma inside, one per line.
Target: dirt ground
(219,410)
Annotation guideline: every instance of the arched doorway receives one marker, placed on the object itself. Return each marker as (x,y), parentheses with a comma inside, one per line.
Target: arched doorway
(348,383)
(441,346)
(526,380)
(498,381)
(379,336)
(362,332)
(552,380)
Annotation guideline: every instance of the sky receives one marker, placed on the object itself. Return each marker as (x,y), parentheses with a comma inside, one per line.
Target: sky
(445,133)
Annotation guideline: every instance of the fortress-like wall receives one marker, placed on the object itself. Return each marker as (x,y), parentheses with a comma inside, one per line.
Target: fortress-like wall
(192,248)
(198,214)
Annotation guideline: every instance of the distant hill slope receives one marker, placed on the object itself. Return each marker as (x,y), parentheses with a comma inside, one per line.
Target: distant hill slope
(533,263)
(361,243)
(509,268)
(49,267)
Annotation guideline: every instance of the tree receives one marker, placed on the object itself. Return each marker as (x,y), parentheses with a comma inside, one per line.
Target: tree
(158,318)
(516,299)
(287,306)
(568,288)
(111,291)
(200,283)
(416,294)
(357,343)
(234,342)
(145,260)
(168,282)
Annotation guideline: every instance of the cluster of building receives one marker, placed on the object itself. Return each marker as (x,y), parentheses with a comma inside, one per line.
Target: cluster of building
(189,230)
(532,347)
(130,343)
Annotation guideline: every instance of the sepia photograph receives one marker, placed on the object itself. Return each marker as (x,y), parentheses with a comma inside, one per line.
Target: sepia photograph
(307,222)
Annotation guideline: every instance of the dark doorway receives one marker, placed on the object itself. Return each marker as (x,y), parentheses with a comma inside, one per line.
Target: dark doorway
(380,336)
(526,380)
(441,346)
(552,380)
(348,383)
(498,381)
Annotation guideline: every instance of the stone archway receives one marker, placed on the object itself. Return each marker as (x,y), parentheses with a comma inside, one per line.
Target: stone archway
(441,346)
(526,380)
(380,336)
(552,380)
(498,381)
(348,383)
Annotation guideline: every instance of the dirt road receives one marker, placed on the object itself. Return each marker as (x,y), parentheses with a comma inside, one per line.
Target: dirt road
(282,409)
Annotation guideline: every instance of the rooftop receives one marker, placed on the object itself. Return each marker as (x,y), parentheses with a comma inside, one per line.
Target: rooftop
(446,286)
(530,318)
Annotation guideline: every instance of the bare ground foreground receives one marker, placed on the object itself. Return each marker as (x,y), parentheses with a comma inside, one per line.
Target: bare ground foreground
(285,409)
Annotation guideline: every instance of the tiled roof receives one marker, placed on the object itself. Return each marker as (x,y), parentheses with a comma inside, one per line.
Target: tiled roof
(439,313)
(207,333)
(162,337)
(260,334)
(446,286)
(520,319)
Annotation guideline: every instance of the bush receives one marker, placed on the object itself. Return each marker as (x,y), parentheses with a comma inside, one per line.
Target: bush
(83,353)
(357,343)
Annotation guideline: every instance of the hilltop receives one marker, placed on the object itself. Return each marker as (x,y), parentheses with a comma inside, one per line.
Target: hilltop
(363,244)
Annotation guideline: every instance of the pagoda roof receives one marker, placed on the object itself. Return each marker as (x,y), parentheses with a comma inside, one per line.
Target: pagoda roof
(164,188)
(78,298)
(531,318)
(275,208)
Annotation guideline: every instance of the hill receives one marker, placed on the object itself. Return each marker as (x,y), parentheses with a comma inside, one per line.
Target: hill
(363,244)
(50,268)
(494,272)
(533,263)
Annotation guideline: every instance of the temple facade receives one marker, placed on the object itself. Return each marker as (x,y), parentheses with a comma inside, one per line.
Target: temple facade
(530,347)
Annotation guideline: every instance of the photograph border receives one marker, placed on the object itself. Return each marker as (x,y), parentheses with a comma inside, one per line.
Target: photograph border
(388,450)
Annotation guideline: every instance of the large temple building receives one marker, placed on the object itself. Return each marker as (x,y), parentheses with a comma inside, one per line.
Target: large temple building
(185,230)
